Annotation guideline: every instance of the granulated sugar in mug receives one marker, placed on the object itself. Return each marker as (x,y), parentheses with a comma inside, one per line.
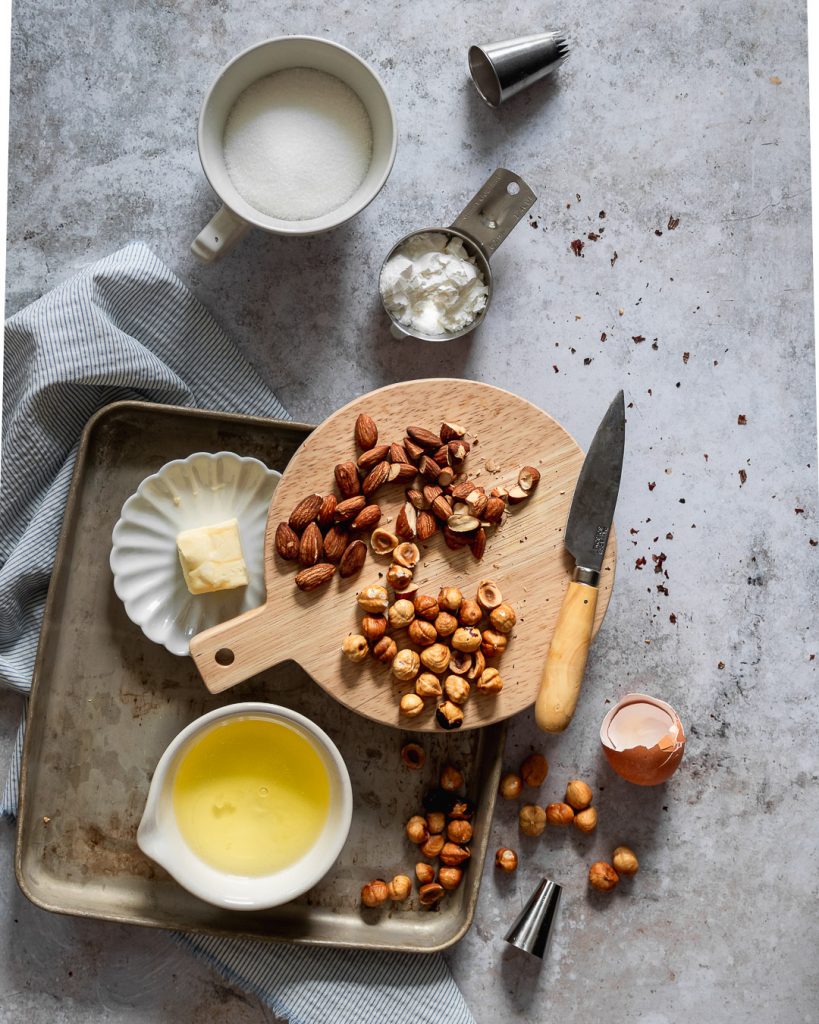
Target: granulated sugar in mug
(298,144)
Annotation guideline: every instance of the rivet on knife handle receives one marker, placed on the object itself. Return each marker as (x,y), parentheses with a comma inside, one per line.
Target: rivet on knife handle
(566,661)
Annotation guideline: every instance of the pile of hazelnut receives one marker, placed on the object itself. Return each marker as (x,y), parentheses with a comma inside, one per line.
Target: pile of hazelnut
(323,532)
(443,833)
(604,877)
(454,637)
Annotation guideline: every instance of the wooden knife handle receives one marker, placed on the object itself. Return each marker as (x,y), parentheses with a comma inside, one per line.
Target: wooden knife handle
(566,661)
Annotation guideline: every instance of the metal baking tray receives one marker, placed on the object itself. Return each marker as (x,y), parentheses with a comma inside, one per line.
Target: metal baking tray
(106,701)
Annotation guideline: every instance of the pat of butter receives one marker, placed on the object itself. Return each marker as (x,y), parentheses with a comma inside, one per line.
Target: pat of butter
(211,558)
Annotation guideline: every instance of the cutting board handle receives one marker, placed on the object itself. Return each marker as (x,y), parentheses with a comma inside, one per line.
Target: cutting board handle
(236,650)
(566,661)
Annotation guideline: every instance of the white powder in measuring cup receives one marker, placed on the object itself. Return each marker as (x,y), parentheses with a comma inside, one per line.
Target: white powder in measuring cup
(432,284)
(298,144)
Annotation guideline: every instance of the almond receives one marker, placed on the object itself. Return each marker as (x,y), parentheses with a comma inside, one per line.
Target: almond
(286,542)
(441,456)
(405,524)
(477,505)
(367,519)
(493,513)
(451,431)
(398,453)
(499,492)
(462,523)
(402,473)
(327,511)
(426,525)
(349,509)
(314,576)
(517,494)
(528,478)
(446,476)
(417,498)
(353,558)
(431,492)
(456,452)
(346,474)
(311,547)
(375,478)
(429,468)
(425,438)
(462,491)
(305,512)
(454,541)
(415,451)
(335,544)
(442,508)
(478,545)
(366,432)
(371,458)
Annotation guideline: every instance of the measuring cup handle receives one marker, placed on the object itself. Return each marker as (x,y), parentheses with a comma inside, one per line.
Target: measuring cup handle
(219,235)
(495,209)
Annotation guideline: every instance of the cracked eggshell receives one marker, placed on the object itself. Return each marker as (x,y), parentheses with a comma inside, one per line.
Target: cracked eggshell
(643,739)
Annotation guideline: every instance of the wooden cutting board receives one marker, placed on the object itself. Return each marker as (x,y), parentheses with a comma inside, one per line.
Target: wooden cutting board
(525,555)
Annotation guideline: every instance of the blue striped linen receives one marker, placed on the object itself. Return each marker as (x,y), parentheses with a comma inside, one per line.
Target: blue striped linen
(126,327)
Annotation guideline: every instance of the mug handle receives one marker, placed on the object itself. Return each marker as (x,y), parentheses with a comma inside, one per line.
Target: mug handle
(219,235)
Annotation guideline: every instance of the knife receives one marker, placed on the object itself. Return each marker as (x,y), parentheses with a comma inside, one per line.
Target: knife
(587,533)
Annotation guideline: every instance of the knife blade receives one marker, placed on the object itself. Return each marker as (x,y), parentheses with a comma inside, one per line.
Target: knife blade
(586,536)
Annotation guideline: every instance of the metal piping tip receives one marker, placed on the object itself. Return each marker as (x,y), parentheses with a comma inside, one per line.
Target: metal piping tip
(501,70)
(533,928)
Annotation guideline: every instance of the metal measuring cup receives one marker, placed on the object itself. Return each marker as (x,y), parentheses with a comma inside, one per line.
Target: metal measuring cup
(482,225)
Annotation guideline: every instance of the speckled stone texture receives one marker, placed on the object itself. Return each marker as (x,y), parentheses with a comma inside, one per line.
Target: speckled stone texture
(697,112)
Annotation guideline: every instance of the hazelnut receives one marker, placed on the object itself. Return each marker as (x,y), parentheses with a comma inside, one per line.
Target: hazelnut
(416,829)
(493,644)
(406,665)
(401,613)
(559,814)
(470,613)
(400,888)
(374,893)
(385,650)
(426,607)
(578,794)
(461,810)
(425,873)
(475,671)
(534,770)
(413,756)
(452,855)
(451,779)
(457,689)
(436,822)
(459,832)
(506,859)
(422,633)
(510,786)
(446,624)
(406,554)
(411,705)
(490,681)
(450,878)
(503,618)
(428,685)
(430,894)
(489,594)
(382,541)
(373,599)
(373,627)
(460,662)
(586,820)
(625,861)
(449,716)
(532,819)
(399,577)
(432,846)
(467,639)
(449,598)
(355,647)
(435,658)
(602,876)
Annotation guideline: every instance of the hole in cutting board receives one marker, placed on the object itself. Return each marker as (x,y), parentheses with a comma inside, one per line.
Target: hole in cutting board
(224,656)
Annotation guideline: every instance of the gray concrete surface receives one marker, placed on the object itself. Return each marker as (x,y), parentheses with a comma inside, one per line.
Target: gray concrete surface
(697,112)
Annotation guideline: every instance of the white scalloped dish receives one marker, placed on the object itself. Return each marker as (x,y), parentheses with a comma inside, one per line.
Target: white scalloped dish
(201,490)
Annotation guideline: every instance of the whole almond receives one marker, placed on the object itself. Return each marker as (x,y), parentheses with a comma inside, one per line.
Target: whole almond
(346,474)
(429,468)
(398,453)
(349,509)
(305,512)
(367,519)
(451,431)
(406,522)
(286,542)
(478,545)
(327,511)
(417,498)
(415,451)
(425,438)
(442,508)
(375,478)
(402,473)
(371,458)
(493,513)
(314,576)
(426,525)
(353,559)
(335,544)
(366,432)
(311,547)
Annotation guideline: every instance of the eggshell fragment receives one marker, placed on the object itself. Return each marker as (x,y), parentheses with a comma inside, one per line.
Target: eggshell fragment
(643,739)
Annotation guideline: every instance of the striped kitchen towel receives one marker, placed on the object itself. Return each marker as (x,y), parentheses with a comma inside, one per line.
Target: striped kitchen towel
(126,327)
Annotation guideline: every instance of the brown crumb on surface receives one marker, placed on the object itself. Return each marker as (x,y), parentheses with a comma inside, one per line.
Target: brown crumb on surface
(673,222)
(555,368)
(743,476)
(652,485)
(613,259)
(639,563)
(741,420)
(669,536)
(685,356)
(775,80)
(658,233)
(587,360)
(813,542)
(799,511)
(720,665)
(592,236)
(602,215)
(603,335)
(672,618)
(637,338)
(577,246)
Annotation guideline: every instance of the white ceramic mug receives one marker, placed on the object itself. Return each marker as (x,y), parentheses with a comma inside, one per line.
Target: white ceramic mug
(237,216)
